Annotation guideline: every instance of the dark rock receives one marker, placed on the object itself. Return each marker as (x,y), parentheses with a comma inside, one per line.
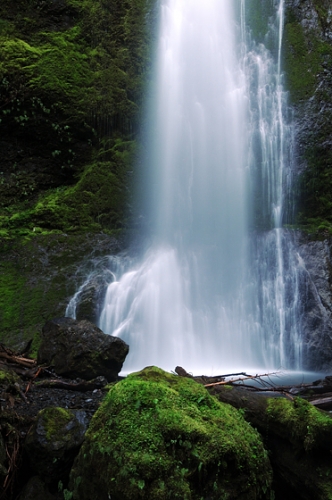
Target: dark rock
(80,349)
(35,489)
(316,292)
(54,440)
(92,294)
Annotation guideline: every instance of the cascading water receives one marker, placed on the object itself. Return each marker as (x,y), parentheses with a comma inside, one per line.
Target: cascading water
(217,289)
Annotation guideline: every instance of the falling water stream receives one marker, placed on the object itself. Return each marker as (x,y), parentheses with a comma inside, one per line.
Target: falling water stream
(218,287)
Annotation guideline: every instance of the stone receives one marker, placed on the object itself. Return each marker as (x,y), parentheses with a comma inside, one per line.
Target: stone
(92,295)
(316,319)
(160,436)
(54,440)
(79,349)
(35,489)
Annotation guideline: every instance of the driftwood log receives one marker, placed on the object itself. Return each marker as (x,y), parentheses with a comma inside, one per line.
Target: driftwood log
(82,386)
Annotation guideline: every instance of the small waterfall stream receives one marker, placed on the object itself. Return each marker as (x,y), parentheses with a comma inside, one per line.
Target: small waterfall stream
(218,287)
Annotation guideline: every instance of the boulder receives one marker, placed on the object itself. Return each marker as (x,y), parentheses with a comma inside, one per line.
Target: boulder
(80,349)
(159,436)
(54,440)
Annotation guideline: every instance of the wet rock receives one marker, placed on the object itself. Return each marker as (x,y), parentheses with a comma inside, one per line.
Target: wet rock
(80,349)
(91,296)
(316,318)
(54,440)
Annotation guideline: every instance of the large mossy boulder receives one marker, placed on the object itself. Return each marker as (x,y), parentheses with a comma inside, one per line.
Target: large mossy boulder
(80,349)
(158,436)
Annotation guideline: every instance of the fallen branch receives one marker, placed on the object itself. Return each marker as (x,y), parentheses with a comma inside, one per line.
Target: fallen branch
(18,359)
(241,379)
(33,379)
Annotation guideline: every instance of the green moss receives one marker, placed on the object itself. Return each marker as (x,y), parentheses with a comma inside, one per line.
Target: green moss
(37,277)
(8,378)
(308,54)
(72,81)
(309,431)
(160,436)
(301,64)
(306,426)
(54,421)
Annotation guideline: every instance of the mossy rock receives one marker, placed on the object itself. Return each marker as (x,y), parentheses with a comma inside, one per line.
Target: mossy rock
(306,427)
(54,440)
(7,378)
(40,275)
(158,436)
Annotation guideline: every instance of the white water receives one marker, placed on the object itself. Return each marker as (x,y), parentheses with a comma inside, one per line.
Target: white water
(217,289)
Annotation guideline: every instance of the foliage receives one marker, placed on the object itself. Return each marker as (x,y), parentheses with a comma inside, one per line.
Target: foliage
(160,436)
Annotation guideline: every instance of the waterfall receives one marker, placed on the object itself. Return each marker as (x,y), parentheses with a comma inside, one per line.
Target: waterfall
(217,288)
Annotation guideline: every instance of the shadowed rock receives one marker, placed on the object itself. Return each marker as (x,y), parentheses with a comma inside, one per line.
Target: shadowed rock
(80,349)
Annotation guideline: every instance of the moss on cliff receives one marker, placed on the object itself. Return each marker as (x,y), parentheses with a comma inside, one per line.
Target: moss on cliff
(308,57)
(159,436)
(39,275)
(72,80)
(72,76)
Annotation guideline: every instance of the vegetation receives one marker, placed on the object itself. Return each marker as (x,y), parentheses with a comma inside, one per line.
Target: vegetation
(159,436)
(72,76)
(307,59)
(298,437)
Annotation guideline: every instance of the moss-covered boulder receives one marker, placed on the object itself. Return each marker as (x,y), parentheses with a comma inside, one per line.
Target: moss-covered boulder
(54,440)
(158,436)
(298,437)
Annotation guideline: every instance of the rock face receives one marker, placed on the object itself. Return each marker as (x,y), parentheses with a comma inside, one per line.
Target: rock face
(308,59)
(80,349)
(158,436)
(316,292)
(307,63)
